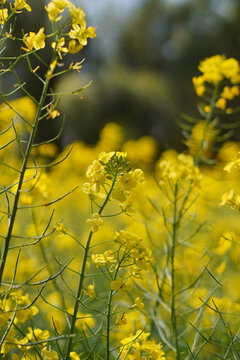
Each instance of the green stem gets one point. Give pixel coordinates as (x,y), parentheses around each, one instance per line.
(23,170)
(109,314)
(82,276)
(108,324)
(172,257)
(207,122)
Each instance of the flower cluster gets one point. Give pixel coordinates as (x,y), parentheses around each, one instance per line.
(95,222)
(134,252)
(235,164)
(214,70)
(231,198)
(8,304)
(180,169)
(77,36)
(103,259)
(33,335)
(15,7)
(34,41)
(79,33)
(112,166)
(137,347)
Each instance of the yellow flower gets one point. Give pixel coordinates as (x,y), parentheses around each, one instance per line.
(214,70)
(90,291)
(52,113)
(59,46)
(121,319)
(53,12)
(229,166)
(211,69)
(137,347)
(96,173)
(227,93)
(51,69)
(61,228)
(128,181)
(231,198)
(95,222)
(221,103)
(21,4)
(3,15)
(235,90)
(74,47)
(74,356)
(9,343)
(61,4)
(105,157)
(49,354)
(34,41)
(103,259)
(200,90)
(119,285)
(230,68)
(77,66)
(84,321)
(77,15)
(81,33)
(90,189)
(153,350)
(198,83)
(21,344)
(138,304)
(37,334)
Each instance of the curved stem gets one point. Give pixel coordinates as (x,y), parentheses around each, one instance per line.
(21,178)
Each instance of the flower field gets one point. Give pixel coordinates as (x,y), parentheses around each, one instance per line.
(115,251)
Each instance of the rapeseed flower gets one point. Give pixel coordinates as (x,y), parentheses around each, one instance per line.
(49,354)
(121,319)
(21,4)
(95,222)
(53,12)
(103,259)
(74,356)
(138,304)
(214,70)
(34,41)
(60,47)
(81,34)
(90,291)
(3,15)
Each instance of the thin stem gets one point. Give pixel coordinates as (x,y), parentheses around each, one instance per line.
(109,314)
(82,276)
(21,179)
(207,122)
(172,258)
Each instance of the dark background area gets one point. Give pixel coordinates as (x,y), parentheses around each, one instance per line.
(141,63)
